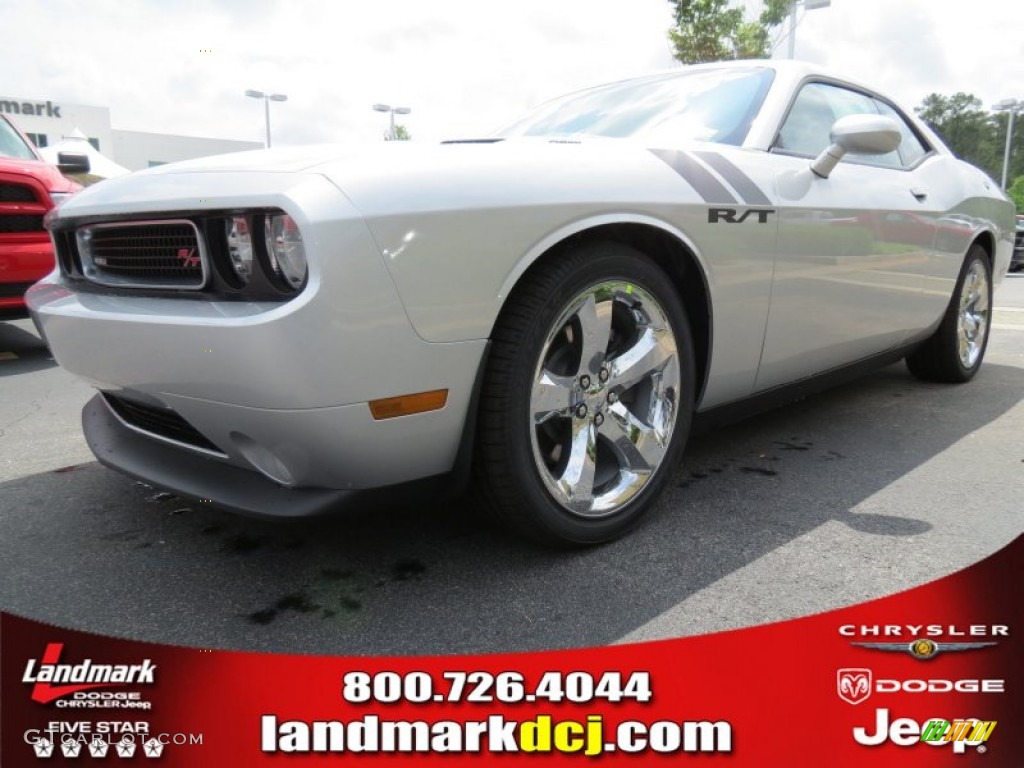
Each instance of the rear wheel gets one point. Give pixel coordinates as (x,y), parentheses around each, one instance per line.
(588,396)
(956,349)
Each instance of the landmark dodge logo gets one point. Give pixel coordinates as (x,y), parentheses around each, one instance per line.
(79,677)
(853,685)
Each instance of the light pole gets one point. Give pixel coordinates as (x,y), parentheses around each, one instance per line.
(1012,106)
(267,98)
(392,111)
(809,5)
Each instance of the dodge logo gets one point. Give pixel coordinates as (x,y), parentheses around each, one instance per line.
(853,685)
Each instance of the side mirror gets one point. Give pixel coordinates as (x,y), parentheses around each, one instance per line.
(860,134)
(72,162)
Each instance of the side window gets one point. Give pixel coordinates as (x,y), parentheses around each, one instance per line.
(807,126)
(809,122)
(911,147)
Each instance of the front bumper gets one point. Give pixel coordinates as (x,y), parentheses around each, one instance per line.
(278,390)
(219,484)
(23,261)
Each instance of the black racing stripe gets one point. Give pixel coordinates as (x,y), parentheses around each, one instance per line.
(696,175)
(749,191)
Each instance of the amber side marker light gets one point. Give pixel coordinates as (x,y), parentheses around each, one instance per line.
(404,405)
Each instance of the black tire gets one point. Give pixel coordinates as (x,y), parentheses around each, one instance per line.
(954,353)
(542,405)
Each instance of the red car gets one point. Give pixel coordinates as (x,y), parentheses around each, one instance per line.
(29,187)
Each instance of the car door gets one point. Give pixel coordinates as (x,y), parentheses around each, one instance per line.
(853,248)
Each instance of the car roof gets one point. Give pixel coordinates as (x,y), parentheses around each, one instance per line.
(789,75)
(787,69)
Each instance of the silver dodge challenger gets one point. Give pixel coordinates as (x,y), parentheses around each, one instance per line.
(545,313)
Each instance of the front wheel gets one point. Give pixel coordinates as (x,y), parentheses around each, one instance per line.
(588,396)
(955,351)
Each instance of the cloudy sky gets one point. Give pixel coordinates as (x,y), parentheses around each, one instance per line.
(464,67)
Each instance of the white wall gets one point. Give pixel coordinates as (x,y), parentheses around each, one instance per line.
(55,120)
(136,150)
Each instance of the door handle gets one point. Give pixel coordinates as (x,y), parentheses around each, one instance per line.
(919,194)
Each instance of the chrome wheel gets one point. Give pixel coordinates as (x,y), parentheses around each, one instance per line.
(588,396)
(973,317)
(954,352)
(604,398)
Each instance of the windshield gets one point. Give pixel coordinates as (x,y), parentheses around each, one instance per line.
(711,105)
(11,143)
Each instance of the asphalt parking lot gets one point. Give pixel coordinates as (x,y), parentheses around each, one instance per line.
(859,492)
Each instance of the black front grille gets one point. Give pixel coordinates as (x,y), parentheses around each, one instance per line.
(16,193)
(1019,242)
(21,222)
(162,422)
(158,254)
(186,254)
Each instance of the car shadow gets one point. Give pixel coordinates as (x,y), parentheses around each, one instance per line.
(21,350)
(87,548)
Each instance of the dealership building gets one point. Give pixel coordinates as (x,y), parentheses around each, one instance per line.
(47,123)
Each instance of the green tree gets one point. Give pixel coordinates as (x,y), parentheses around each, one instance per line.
(1016,193)
(979,137)
(401,134)
(1001,122)
(962,124)
(716,30)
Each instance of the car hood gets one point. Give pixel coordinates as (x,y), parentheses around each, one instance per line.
(43,172)
(314,157)
(394,178)
(279,160)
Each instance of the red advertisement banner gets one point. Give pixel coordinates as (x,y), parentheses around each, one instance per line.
(929,677)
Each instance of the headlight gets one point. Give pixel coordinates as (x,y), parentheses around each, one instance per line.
(285,249)
(240,247)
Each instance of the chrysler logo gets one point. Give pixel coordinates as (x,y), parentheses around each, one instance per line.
(853,685)
(923,648)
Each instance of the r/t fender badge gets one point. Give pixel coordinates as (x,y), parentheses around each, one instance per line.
(733,216)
